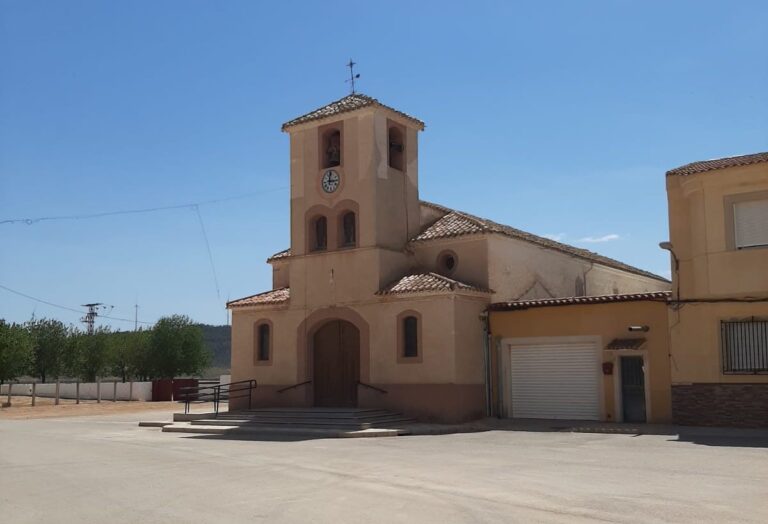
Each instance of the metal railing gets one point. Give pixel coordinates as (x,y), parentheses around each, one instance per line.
(216,394)
(281,390)
(372,387)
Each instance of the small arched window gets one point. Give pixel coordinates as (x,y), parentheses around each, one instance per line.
(319,234)
(410,337)
(396,148)
(262,342)
(331,148)
(348,229)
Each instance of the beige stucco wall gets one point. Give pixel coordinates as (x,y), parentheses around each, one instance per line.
(607,321)
(451,351)
(699,232)
(710,268)
(471,257)
(519,270)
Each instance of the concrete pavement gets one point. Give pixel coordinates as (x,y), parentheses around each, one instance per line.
(107,469)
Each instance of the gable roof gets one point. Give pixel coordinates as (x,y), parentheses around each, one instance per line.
(344,105)
(457,223)
(275,296)
(655,296)
(719,163)
(428,282)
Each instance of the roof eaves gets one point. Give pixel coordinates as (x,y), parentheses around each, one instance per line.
(702,166)
(652,296)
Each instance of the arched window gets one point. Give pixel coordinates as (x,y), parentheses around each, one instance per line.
(262,342)
(348,229)
(410,337)
(330,152)
(319,234)
(396,148)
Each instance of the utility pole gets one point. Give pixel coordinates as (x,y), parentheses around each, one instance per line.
(136,317)
(90,317)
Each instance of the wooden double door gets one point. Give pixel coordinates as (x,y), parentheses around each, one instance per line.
(336,364)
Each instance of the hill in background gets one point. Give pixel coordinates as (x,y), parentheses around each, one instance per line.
(218,340)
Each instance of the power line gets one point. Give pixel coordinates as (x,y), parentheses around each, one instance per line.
(208,248)
(192,205)
(78,311)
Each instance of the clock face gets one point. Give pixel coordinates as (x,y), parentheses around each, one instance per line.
(331,180)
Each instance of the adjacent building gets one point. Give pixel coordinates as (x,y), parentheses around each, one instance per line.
(718,316)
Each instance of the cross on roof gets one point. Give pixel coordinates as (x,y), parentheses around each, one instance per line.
(352,76)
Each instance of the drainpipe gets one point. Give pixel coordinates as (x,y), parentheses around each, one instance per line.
(485,319)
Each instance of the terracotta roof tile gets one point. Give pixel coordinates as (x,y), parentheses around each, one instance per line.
(625,343)
(428,282)
(657,296)
(457,223)
(285,253)
(344,105)
(276,296)
(719,163)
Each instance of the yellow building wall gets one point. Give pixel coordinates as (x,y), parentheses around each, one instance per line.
(607,321)
(701,233)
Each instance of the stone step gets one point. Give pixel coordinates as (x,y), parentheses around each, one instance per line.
(367,417)
(361,424)
(255,431)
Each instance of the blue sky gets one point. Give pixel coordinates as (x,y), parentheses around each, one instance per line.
(559,118)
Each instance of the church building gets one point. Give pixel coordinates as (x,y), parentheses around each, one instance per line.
(381,299)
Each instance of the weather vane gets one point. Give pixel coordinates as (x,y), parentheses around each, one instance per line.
(352,76)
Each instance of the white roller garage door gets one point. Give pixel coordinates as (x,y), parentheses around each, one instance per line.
(557,381)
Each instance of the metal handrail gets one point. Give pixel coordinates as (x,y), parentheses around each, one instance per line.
(372,387)
(216,393)
(294,386)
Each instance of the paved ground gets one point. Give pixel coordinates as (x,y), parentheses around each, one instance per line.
(106,469)
(21,408)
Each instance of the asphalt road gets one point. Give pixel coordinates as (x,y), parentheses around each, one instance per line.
(105,469)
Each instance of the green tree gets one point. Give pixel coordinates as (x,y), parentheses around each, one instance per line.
(131,354)
(15,351)
(93,355)
(49,343)
(176,348)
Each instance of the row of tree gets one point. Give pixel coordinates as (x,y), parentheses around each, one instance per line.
(48,349)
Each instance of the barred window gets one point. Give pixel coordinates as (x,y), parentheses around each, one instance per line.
(745,346)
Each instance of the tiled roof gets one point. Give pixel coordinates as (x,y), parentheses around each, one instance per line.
(428,282)
(625,343)
(276,296)
(344,105)
(285,253)
(457,223)
(719,163)
(657,296)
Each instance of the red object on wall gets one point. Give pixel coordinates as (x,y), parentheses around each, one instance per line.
(165,389)
(179,383)
(162,390)
(607,368)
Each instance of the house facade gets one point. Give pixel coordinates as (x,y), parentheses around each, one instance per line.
(696,355)
(718,223)
(380,299)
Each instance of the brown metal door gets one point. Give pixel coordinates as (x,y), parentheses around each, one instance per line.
(336,364)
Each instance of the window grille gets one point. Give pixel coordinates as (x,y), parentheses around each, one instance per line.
(745,346)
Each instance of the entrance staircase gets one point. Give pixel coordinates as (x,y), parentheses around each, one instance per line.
(298,422)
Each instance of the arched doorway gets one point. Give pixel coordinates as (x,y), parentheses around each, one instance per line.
(336,364)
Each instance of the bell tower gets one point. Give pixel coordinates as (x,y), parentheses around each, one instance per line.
(354,177)
(354,199)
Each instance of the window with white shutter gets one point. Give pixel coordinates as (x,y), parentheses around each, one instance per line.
(750,221)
